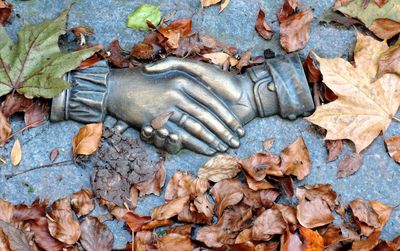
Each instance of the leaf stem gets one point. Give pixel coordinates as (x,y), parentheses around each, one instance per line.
(396,119)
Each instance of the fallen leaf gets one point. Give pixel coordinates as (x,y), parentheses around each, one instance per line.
(268,143)
(62,224)
(349,165)
(288,8)
(36,114)
(312,72)
(286,184)
(134,194)
(116,57)
(169,209)
(271,218)
(368,244)
(87,140)
(5,129)
(331,235)
(226,193)
(43,239)
(288,214)
(16,153)
(290,242)
(97,57)
(334,147)
(175,30)
(381,3)
(323,191)
(54,154)
(314,213)
(154,185)
(260,165)
(144,13)
(95,235)
(244,60)
(206,3)
(295,159)
(365,106)
(389,61)
(219,58)
(11,238)
(174,241)
(182,184)
(373,12)
(38,72)
(135,221)
(14,103)
(220,167)
(312,240)
(262,26)
(144,241)
(385,28)
(142,51)
(244,236)
(185,230)
(295,30)
(393,147)
(258,185)
(224,4)
(201,215)
(155,224)
(5,12)
(160,120)
(6,211)
(35,211)
(82,202)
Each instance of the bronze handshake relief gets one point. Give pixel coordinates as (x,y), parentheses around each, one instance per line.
(208,107)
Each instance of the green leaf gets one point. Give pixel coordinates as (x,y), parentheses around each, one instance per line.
(35,65)
(145,12)
(391,10)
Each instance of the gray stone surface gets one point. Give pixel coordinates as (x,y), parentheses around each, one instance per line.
(376,180)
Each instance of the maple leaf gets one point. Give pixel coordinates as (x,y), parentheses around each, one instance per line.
(35,66)
(365,105)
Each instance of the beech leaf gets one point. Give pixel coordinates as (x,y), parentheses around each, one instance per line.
(38,72)
(219,168)
(365,106)
(393,146)
(88,139)
(95,235)
(349,165)
(82,202)
(296,159)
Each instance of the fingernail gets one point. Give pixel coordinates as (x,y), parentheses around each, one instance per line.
(210,151)
(234,142)
(240,131)
(222,147)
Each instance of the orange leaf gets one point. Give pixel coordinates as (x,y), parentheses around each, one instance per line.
(312,240)
(88,139)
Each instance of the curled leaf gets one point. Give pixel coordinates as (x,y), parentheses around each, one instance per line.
(226,193)
(296,159)
(262,26)
(87,140)
(169,209)
(295,30)
(174,241)
(82,202)
(260,165)
(393,146)
(219,168)
(153,185)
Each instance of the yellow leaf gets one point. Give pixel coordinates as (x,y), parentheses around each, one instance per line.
(220,58)
(365,105)
(16,153)
(206,3)
(87,140)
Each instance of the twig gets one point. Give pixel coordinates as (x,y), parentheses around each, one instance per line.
(396,119)
(34,123)
(9,176)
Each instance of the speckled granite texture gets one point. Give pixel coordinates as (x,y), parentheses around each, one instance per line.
(377,179)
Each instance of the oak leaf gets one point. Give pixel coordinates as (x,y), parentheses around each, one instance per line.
(365,106)
(88,139)
(220,167)
(35,66)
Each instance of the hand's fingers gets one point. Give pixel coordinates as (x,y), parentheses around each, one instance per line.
(160,137)
(147,134)
(121,126)
(211,75)
(207,119)
(173,143)
(198,130)
(217,106)
(189,141)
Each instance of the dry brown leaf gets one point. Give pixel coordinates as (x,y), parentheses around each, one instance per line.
(5,12)
(62,224)
(322,191)
(155,224)
(385,28)
(226,193)
(82,202)
(244,60)
(271,218)
(144,241)
(288,214)
(260,165)
(219,58)
(87,140)
(174,241)
(153,185)
(334,147)
(169,209)
(16,153)
(33,212)
(312,240)
(12,238)
(190,214)
(174,31)
(262,26)
(54,154)
(134,194)
(36,114)
(368,244)
(258,185)
(181,184)
(6,211)
(365,106)
(159,121)
(95,235)
(5,129)
(135,221)
(268,143)
(220,167)
(185,230)
(142,51)
(43,239)
(331,235)
(116,57)
(349,165)
(314,213)
(393,147)
(295,30)
(290,242)
(389,61)
(268,246)
(243,236)
(206,3)
(288,8)
(312,72)
(295,159)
